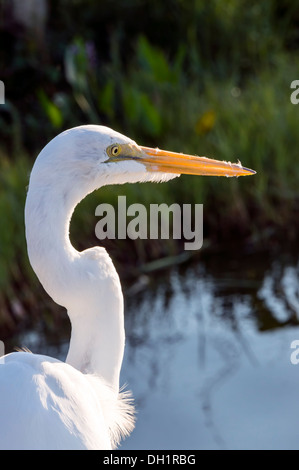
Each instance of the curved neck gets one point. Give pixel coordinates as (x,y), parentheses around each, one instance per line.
(75,280)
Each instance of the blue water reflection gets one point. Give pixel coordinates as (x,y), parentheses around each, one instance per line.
(210,366)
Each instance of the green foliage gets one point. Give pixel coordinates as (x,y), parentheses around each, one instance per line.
(52,111)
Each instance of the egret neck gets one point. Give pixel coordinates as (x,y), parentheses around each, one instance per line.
(79,281)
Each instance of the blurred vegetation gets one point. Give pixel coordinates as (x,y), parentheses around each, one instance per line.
(204,77)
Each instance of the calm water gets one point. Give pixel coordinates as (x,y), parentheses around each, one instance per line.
(208,354)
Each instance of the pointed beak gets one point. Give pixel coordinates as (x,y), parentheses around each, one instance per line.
(157,160)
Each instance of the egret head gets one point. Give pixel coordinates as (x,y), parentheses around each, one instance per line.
(92,156)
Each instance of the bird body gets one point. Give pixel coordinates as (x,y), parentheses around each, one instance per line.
(46,403)
(43,409)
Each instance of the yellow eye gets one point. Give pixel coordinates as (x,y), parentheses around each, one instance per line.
(113,150)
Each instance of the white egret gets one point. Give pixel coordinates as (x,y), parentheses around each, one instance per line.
(46,403)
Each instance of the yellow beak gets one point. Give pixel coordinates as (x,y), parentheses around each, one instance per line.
(172,162)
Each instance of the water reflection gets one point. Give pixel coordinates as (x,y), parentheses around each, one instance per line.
(208,355)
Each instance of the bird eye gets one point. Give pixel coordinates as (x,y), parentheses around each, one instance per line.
(113,150)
